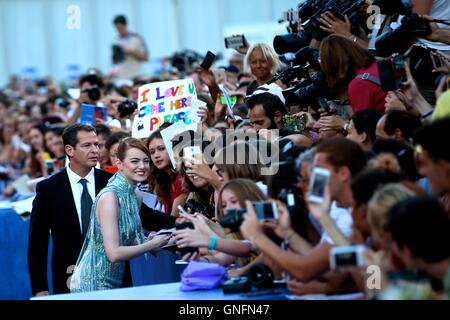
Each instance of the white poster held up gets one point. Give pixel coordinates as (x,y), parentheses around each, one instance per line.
(160,102)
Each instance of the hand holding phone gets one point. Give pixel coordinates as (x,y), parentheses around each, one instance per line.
(266,210)
(183,211)
(318,184)
(235,42)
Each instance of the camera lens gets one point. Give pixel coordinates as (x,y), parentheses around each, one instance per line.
(94,93)
(126,108)
(261,276)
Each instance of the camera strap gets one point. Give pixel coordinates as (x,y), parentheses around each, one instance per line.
(369,77)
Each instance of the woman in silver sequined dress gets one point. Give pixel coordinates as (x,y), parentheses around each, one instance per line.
(115,233)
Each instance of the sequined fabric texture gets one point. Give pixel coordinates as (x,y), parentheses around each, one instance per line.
(93,270)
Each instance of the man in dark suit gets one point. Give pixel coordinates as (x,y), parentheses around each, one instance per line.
(59,209)
(62,208)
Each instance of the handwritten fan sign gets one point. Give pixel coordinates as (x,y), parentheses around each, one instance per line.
(160,102)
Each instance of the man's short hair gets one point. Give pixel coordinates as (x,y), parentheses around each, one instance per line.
(405,121)
(432,138)
(120,19)
(271,103)
(93,79)
(422,225)
(102,130)
(368,181)
(70,134)
(116,137)
(343,152)
(366,122)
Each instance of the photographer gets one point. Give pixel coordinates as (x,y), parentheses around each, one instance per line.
(129,50)
(349,67)
(91,92)
(120,108)
(333,25)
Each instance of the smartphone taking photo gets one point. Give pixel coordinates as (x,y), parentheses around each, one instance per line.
(235,42)
(208,61)
(350,256)
(319,182)
(266,210)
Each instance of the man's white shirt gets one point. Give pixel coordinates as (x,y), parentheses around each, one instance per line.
(77,188)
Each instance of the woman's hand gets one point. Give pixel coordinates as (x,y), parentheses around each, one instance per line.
(190,238)
(251,227)
(198,167)
(393,102)
(332,122)
(310,122)
(331,24)
(200,224)
(203,113)
(207,77)
(191,256)
(244,49)
(409,88)
(300,288)
(158,241)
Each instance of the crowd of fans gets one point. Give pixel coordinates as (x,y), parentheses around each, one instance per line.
(389,165)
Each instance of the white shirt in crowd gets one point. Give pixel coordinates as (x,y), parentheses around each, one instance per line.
(343,219)
(77,188)
(440,10)
(130,67)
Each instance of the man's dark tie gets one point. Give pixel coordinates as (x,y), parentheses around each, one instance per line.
(86,205)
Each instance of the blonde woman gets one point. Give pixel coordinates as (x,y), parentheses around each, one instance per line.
(263,63)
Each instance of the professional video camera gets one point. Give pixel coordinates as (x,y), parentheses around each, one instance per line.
(309,88)
(309,12)
(401,39)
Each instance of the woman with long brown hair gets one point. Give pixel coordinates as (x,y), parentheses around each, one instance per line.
(163,180)
(352,69)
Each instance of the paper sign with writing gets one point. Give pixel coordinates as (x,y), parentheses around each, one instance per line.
(169,133)
(160,102)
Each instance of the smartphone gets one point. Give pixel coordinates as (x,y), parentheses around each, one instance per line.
(208,61)
(183,211)
(351,256)
(392,73)
(235,42)
(191,152)
(266,210)
(319,181)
